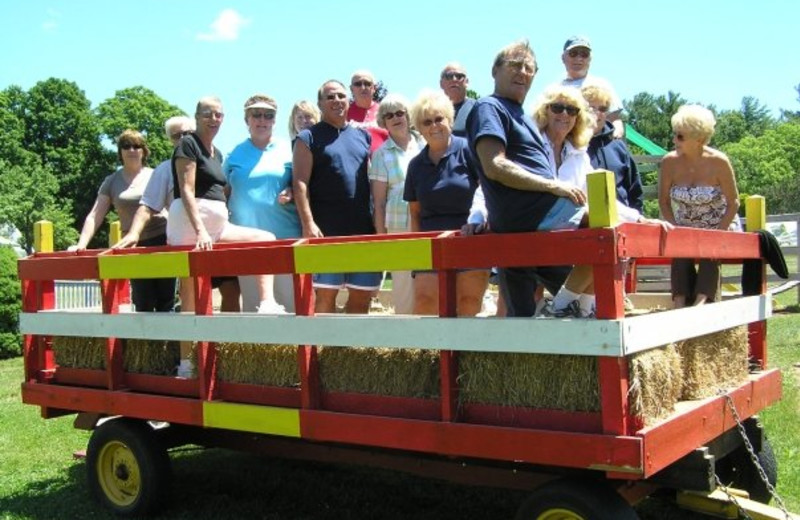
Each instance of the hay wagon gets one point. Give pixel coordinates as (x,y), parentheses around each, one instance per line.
(590,415)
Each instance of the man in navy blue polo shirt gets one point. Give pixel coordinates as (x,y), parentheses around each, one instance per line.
(522,193)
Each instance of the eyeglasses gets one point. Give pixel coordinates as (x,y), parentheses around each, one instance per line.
(601,109)
(333,97)
(362,84)
(269,115)
(454,76)
(428,122)
(680,137)
(130,147)
(208,114)
(392,115)
(558,108)
(178,135)
(578,53)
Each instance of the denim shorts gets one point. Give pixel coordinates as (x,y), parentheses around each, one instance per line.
(361,281)
(563,215)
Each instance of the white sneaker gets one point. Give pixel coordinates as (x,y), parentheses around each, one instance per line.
(271,307)
(185,369)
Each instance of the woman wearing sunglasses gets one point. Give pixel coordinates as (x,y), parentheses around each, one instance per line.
(697,188)
(387,178)
(123,190)
(258,171)
(440,187)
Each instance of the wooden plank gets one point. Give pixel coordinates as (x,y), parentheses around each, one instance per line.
(696,423)
(67,268)
(267,258)
(155,265)
(659,328)
(565,449)
(269,420)
(538,336)
(355,257)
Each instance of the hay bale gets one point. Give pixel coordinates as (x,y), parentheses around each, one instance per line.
(156,357)
(381,371)
(76,352)
(714,362)
(261,364)
(535,380)
(655,383)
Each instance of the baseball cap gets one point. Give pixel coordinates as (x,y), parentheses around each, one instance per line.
(578,41)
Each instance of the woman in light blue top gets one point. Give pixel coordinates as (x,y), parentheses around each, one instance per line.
(387,176)
(259,176)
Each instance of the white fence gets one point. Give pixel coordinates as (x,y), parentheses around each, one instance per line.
(77,294)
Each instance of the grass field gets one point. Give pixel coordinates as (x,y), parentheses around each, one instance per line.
(39,479)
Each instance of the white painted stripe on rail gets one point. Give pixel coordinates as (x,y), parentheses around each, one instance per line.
(540,336)
(659,328)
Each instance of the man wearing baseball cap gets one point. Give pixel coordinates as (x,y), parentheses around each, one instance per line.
(577,57)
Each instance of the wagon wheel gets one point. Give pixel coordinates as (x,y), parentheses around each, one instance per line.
(128,468)
(576,499)
(738,471)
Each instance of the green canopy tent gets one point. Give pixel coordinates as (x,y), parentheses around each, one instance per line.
(642,142)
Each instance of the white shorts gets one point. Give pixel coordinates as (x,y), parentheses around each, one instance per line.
(213,213)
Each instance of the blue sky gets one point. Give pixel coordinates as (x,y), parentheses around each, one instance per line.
(708,51)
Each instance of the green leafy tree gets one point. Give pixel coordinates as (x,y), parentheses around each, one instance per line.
(769,165)
(650,115)
(380,92)
(12,137)
(63,132)
(10,304)
(141,109)
(28,193)
(792,115)
(471,94)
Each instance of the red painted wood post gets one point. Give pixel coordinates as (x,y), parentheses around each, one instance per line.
(612,371)
(206,350)
(44,295)
(111,292)
(756,216)
(448,359)
(307,360)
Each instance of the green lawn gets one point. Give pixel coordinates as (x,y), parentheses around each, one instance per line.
(39,479)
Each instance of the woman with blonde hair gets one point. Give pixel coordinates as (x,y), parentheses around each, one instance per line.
(696,188)
(304,114)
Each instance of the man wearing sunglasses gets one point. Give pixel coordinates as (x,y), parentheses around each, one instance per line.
(454,83)
(363,110)
(577,57)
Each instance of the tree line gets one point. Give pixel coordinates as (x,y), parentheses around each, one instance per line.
(56,149)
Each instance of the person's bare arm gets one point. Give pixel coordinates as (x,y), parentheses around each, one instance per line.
(93,220)
(379,190)
(140,219)
(302,163)
(727,182)
(414,212)
(664,186)
(497,167)
(187,171)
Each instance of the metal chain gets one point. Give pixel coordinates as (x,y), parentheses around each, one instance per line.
(733,499)
(754,457)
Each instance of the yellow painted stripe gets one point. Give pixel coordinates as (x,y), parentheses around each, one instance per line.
(355,257)
(602,199)
(252,418)
(155,265)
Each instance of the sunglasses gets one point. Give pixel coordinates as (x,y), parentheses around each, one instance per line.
(178,135)
(680,137)
(130,147)
(362,84)
(428,122)
(269,115)
(454,76)
(524,66)
(392,115)
(576,53)
(602,109)
(333,97)
(558,108)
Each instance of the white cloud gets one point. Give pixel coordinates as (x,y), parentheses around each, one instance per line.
(51,23)
(226,27)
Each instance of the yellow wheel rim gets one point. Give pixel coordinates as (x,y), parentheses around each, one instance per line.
(118,474)
(559,514)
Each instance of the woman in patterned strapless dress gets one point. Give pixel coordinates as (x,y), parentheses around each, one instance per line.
(697,188)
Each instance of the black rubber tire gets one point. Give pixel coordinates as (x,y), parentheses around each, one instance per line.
(579,499)
(128,469)
(737,471)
